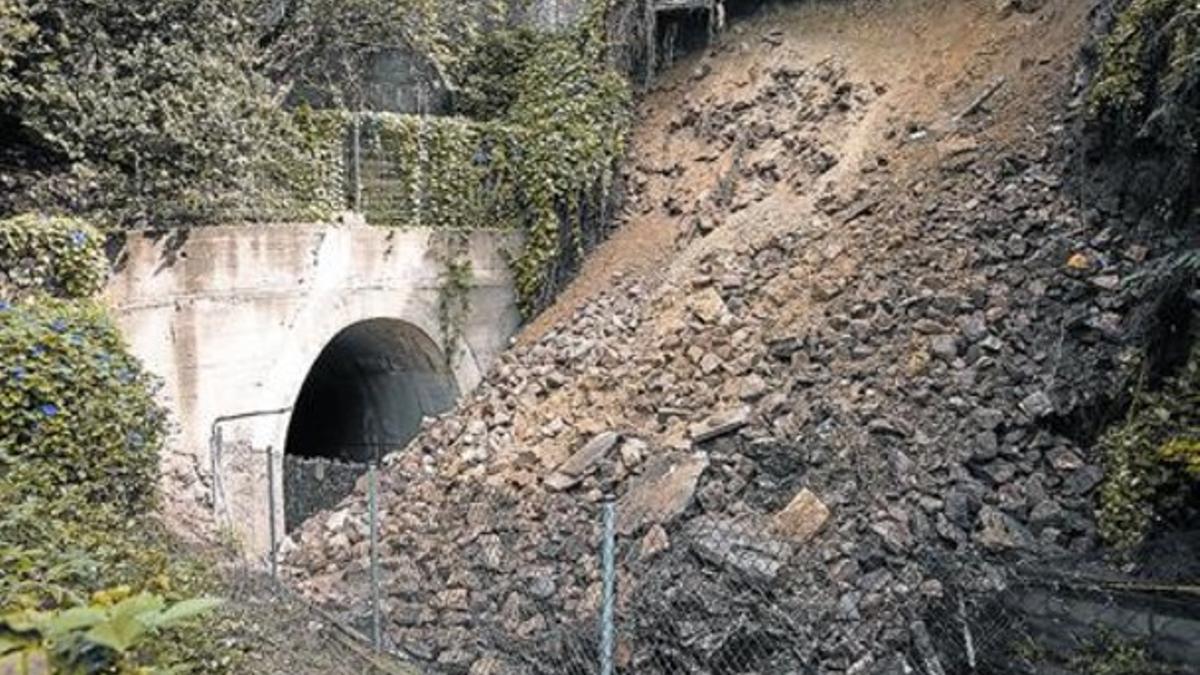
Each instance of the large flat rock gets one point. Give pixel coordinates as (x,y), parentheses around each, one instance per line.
(661,493)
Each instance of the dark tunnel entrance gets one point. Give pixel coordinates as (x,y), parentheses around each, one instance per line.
(365,396)
(682,27)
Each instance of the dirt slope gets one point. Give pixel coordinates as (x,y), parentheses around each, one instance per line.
(847,281)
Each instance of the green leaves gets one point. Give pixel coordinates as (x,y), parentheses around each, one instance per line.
(185,610)
(70,636)
(76,410)
(1152,458)
(60,256)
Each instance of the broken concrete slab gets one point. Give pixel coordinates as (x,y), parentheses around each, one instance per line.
(592,452)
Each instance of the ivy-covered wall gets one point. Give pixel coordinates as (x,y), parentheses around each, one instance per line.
(551,118)
(442,172)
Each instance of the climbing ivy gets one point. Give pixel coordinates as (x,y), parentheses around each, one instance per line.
(301,174)
(443,172)
(1150,57)
(454,295)
(542,161)
(576,113)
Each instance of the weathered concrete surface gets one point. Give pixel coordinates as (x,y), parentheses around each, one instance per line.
(233,318)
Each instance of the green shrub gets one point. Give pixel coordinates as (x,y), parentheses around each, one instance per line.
(1152,456)
(76,410)
(60,256)
(65,551)
(91,638)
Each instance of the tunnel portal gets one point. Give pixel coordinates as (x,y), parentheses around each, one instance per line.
(364,396)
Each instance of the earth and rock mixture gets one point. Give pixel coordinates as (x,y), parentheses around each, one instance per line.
(867,357)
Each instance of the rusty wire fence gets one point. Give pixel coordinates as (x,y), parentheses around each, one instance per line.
(467,573)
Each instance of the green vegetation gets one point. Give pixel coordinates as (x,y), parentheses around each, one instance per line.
(80,637)
(454,299)
(1145,100)
(542,160)
(1152,457)
(1111,656)
(156,112)
(62,257)
(75,409)
(87,569)
(444,172)
(1145,104)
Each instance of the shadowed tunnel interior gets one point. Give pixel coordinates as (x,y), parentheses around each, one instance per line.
(365,396)
(368,391)
(684,26)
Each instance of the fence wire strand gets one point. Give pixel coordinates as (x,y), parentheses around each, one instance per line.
(481,578)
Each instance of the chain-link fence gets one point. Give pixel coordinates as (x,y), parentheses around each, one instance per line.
(1135,611)
(259,493)
(462,572)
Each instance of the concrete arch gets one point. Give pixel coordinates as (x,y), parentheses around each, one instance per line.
(368,391)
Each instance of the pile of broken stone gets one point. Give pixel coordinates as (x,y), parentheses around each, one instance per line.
(790,433)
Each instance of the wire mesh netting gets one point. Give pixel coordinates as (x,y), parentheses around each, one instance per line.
(468,573)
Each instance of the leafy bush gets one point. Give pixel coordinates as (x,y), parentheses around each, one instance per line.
(65,552)
(144,102)
(91,638)
(60,256)
(1152,457)
(150,112)
(76,410)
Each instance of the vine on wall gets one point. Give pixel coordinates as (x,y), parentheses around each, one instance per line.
(542,160)
(454,295)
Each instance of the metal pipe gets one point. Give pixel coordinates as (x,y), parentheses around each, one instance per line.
(373,508)
(271,508)
(608,560)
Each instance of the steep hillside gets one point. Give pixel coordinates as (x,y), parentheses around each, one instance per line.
(853,312)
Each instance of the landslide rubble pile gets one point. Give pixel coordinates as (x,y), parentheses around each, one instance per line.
(793,428)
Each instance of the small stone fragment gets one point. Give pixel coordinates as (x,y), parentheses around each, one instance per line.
(720,424)
(802,518)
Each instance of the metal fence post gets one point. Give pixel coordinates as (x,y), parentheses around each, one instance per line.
(373,507)
(356,164)
(271,508)
(214,453)
(608,560)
